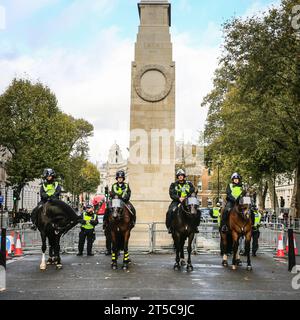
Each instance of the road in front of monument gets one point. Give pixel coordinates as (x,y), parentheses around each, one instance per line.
(150,277)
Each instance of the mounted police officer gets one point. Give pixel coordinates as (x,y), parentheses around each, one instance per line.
(179,191)
(50,189)
(88,222)
(121,190)
(234,192)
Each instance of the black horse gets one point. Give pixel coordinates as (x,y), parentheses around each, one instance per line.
(184,222)
(53,219)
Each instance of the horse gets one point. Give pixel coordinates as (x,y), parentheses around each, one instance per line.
(120,224)
(54,219)
(183,225)
(240,224)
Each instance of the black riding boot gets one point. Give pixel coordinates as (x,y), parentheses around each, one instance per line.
(224,226)
(168,221)
(105,219)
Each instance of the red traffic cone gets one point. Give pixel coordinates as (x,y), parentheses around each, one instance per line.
(280,251)
(18,251)
(12,242)
(287,245)
(295,245)
(8,257)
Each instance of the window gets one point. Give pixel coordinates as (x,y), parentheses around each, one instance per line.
(200,185)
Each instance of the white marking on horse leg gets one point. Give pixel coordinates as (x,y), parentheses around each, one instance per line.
(225,257)
(43,265)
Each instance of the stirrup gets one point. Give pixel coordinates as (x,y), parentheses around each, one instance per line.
(224,228)
(170,230)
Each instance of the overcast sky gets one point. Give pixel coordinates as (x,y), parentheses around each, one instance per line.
(83,49)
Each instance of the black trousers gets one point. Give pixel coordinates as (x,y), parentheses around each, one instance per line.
(90,236)
(255,237)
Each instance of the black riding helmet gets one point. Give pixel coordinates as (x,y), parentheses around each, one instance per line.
(236,176)
(120,174)
(49,173)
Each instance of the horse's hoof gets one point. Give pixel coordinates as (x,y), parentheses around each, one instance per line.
(225,263)
(125,267)
(59,266)
(234,267)
(114,267)
(43,267)
(239,263)
(190,268)
(249,268)
(176,267)
(183,263)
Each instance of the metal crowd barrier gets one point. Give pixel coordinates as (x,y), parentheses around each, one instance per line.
(157,240)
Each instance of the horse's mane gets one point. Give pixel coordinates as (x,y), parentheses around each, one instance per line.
(60,214)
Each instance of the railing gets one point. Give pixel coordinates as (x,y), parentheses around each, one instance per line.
(150,238)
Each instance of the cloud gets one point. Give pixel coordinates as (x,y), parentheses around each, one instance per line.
(94,81)
(258,8)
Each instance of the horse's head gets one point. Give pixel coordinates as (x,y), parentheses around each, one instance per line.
(117,206)
(191,204)
(244,206)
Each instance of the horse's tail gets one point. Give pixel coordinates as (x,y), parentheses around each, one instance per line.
(120,241)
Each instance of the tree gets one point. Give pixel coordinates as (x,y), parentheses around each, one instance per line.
(81,177)
(35,133)
(254,109)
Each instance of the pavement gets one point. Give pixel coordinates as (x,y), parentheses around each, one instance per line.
(150,277)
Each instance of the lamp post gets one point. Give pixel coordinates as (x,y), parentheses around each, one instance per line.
(218,166)
(274,181)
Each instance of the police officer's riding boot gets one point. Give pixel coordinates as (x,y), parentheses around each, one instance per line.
(224,227)
(168,221)
(33,220)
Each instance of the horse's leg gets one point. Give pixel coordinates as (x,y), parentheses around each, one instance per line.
(235,240)
(224,248)
(51,257)
(114,255)
(189,249)
(182,261)
(57,252)
(178,250)
(43,265)
(247,249)
(126,253)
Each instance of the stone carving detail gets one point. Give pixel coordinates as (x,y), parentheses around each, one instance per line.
(148,80)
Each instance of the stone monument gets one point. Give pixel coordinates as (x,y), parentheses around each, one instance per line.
(151,166)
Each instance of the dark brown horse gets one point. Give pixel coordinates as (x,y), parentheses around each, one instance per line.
(54,219)
(184,223)
(120,224)
(240,224)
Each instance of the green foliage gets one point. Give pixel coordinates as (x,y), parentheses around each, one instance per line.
(35,133)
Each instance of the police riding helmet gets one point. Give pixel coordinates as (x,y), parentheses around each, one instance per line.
(49,173)
(236,176)
(180,172)
(120,174)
